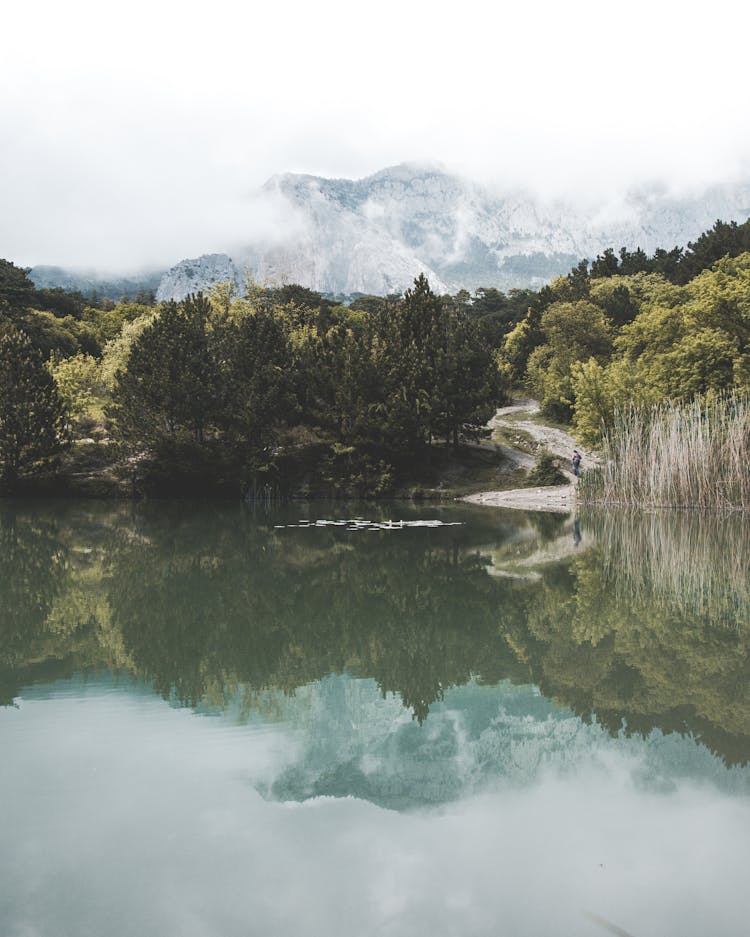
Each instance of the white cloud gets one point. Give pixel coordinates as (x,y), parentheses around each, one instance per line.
(134,136)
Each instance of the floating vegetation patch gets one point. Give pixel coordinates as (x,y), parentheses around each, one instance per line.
(359,523)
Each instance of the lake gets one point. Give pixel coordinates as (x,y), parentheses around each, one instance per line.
(342,719)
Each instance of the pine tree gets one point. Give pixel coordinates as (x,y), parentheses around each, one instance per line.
(32,414)
(169,387)
(256,387)
(16,288)
(414,339)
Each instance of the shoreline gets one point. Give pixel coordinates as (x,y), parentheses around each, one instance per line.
(559,499)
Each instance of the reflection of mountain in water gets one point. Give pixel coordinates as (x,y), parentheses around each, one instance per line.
(216,607)
(355,743)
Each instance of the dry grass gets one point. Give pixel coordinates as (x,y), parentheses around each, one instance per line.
(515,438)
(676,455)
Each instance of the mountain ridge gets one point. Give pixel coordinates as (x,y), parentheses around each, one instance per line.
(375,234)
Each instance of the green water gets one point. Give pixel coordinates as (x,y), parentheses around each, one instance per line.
(216,721)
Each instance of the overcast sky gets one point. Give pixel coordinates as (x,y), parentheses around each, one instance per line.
(135,135)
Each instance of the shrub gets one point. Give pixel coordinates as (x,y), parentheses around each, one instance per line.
(546,472)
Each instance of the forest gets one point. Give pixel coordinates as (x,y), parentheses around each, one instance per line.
(263,393)
(283,392)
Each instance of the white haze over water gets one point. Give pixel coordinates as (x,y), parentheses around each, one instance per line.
(136,135)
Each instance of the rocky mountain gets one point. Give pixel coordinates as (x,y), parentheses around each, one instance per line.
(191,276)
(374,235)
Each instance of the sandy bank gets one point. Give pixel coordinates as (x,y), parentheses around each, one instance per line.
(560,499)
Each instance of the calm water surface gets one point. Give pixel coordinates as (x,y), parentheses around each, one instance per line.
(215,721)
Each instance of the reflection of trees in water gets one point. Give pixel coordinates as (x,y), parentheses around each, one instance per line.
(54,613)
(201,608)
(614,637)
(33,571)
(215,604)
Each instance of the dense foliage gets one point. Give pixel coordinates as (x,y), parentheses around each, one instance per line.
(225,386)
(32,414)
(60,322)
(637,330)
(277,389)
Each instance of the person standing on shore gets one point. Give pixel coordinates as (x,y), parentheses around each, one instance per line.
(576,463)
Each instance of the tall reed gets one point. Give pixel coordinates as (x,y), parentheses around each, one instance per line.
(693,454)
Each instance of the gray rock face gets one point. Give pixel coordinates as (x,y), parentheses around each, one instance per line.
(374,235)
(199,274)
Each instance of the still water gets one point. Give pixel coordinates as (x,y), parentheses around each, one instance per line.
(219,721)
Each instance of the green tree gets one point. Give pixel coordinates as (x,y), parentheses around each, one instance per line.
(519,344)
(495,312)
(16,287)
(439,377)
(573,332)
(594,407)
(696,338)
(577,283)
(256,386)
(170,384)
(605,265)
(471,386)
(723,240)
(79,384)
(621,307)
(117,351)
(107,324)
(32,415)
(408,359)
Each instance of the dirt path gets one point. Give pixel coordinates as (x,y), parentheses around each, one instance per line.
(518,418)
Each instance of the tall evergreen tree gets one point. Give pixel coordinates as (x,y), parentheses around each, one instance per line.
(16,288)
(170,384)
(723,240)
(605,265)
(413,341)
(256,386)
(32,414)
(470,382)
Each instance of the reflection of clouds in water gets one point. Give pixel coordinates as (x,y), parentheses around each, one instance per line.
(352,741)
(136,818)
